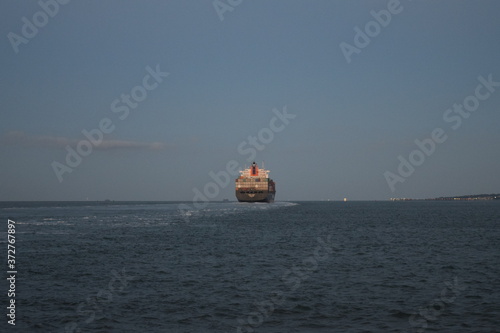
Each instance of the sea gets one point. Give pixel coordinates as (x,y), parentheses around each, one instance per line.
(355,266)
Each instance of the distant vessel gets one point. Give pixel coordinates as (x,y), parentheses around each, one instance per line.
(254,185)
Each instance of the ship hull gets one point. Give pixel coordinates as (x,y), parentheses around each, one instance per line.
(255,196)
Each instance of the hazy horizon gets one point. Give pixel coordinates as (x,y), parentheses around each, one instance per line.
(245,203)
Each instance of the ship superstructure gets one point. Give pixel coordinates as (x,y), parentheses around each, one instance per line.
(254,185)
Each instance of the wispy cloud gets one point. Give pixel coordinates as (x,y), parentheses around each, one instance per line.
(17,138)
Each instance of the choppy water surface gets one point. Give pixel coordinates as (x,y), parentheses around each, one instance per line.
(231,267)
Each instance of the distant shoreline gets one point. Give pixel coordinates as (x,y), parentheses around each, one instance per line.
(469,197)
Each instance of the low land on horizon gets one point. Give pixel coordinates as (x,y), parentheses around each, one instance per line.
(462,197)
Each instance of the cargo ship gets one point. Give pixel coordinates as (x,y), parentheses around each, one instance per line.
(254,185)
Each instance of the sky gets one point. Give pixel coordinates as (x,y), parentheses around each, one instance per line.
(365,100)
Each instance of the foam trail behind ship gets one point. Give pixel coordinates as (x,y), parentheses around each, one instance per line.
(218,210)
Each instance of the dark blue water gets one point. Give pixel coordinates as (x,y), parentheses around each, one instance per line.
(282,267)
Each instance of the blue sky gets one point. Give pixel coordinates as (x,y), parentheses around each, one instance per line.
(226,76)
